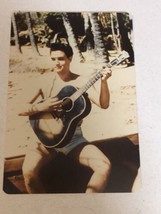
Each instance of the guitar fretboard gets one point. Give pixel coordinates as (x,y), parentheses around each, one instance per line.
(82,90)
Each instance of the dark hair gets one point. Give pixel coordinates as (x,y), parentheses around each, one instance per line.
(62,47)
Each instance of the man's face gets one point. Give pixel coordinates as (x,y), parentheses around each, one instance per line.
(61,61)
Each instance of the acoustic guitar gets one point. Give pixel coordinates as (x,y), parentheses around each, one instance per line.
(56,128)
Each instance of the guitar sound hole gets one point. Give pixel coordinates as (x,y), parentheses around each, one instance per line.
(67,104)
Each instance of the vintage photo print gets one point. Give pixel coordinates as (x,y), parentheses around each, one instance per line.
(71,108)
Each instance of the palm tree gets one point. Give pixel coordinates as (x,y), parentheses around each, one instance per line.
(31,34)
(89,38)
(101,55)
(71,38)
(17,44)
(116,36)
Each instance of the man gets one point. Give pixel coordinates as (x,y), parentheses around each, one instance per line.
(47,87)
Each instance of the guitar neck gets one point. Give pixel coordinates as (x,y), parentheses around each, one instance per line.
(124,55)
(90,82)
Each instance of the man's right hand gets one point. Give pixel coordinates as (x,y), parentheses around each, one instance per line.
(50,104)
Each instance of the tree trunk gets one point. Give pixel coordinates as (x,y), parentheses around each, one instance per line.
(101,55)
(31,34)
(17,44)
(89,38)
(116,37)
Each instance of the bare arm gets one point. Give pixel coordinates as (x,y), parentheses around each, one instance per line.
(32,100)
(102,98)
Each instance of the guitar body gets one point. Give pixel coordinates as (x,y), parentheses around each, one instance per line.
(55,129)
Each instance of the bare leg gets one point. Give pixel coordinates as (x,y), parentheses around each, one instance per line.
(35,159)
(92,157)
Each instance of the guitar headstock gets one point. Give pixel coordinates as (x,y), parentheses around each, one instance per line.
(121,57)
